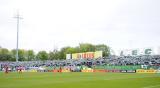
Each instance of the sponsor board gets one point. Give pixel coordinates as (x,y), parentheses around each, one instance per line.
(65,70)
(68,56)
(139,51)
(128,71)
(123,71)
(85,55)
(114,71)
(55,70)
(101,70)
(158,71)
(146,71)
(131,71)
(98,54)
(87,70)
(30,70)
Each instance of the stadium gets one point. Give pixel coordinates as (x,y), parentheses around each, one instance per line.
(83,70)
(79,44)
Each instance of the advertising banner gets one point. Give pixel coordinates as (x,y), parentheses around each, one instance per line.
(158,71)
(114,71)
(68,56)
(123,71)
(74,56)
(131,71)
(102,70)
(85,55)
(30,70)
(139,51)
(146,71)
(64,70)
(128,71)
(98,54)
(55,71)
(87,70)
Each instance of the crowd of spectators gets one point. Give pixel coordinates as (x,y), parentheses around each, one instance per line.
(149,60)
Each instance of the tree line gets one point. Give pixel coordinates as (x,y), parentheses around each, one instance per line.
(30,55)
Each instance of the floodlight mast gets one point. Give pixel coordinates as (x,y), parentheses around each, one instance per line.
(18,18)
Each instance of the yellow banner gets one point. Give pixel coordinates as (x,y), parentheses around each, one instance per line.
(146,71)
(64,70)
(98,54)
(87,70)
(74,56)
(87,55)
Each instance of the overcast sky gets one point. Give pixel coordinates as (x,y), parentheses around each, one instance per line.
(46,24)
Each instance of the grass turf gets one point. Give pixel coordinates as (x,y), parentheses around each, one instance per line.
(79,80)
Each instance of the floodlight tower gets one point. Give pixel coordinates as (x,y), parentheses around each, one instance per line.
(18,18)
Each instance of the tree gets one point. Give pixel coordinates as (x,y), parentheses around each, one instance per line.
(30,55)
(67,50)
(86,47)
(4,51)
(104,48)
(70,50)
(62,53)
(13,54)
(42,55)
(22,54)
(4,54)
(54,55)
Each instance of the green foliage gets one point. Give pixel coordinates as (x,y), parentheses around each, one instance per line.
(53,55)
(28,55)
(4,54)
(21,53)
(42,55)
(86,47)
(63,52)
(4,51)
(104,48)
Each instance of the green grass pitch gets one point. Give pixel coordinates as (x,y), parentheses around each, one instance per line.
(79,80)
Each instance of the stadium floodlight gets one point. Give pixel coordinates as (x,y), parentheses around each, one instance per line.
(18,18)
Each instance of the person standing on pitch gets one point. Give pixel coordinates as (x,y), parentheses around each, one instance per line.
(6,69)
(60,69)
(20,69)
